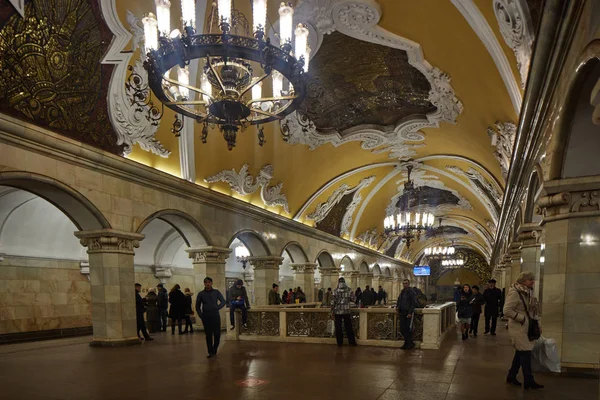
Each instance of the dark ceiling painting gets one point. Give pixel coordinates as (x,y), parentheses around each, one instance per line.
(391,252)
(354,83)
(51,71)
(445,230)
(426,196)
(332,223)
(473,261)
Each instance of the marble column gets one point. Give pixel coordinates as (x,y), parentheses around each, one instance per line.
(396,288)
(329,277)
(570,254)
(365,279)
(377,280)
(530,235)
(353,280)
(506,261)
(111,255)
(210,261)
(515,259)
(266,273)
(387,286)
(304,276)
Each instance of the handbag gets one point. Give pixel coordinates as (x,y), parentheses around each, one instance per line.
(533,331)
(237,302)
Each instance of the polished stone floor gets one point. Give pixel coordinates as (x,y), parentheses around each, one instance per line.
(176,367)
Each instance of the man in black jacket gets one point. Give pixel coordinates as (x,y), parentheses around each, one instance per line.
(208,303)
(493,297)
(367,297)
(140,309)
(476,302)
(163,306)
(406,308)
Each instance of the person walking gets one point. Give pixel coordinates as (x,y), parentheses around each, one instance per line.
(140,309)
(476,302)
(358,295)
(465,312)
(300,295)
(343,300)
(290,297)
(163,305)
(493,297)
(380,295)
(522,310)
(177,310)
(238,299)
(375,297)
(208,303)
(152,313)
(327,298)
(367,297)
(406,307)
(188,311)
(274,298)
(320,295)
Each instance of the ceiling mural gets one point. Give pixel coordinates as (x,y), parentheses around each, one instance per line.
(374,103)
(51,72)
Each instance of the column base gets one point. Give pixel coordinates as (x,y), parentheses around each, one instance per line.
(115,342)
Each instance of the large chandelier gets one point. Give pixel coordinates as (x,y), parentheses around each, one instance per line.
(437,251)
(453,263)
(233,65)
(406,224)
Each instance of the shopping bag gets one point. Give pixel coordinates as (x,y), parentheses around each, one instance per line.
(544,356)
(330,327)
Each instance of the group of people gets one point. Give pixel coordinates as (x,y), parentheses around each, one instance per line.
(469,303)
(293,296)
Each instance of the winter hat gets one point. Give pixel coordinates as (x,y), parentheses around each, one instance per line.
(275,285)
(239,282)
(341,280)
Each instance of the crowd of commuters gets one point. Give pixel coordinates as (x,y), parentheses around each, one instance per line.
(469,302)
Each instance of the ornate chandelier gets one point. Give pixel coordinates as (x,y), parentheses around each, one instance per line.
(407,224)
(241,255)
(439,251)
(233,65)
(454,262)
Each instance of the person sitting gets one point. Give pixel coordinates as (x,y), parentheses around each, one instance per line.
(238,298)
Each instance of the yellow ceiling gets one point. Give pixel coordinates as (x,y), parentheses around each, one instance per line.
(448,43)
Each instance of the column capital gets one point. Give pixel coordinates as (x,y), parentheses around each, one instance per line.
(529,235)
(330,271)
(209,254)
(266,262)
(304,267)
(569,198)
(109,241)
(365,274)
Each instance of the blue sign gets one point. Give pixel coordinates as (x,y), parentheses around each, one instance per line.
(423,270)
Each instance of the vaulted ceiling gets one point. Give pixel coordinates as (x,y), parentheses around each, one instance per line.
(391,83)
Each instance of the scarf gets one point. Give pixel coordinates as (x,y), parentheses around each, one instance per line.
(530,300)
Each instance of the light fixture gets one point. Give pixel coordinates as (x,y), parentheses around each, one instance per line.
(453,262)
(234,64)
(241,255)
(439,251)
(407,224)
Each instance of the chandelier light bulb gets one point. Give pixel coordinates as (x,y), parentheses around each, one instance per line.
(257,93)
(174,90)
(206,87)
(188,13)
(301,45)
(407,220)
(277,84)
(242,252)
(183,76)
(224,7)
(259,15)
(163,16)
(286,24)
(150,32)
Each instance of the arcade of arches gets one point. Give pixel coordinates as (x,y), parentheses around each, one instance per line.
(501,125)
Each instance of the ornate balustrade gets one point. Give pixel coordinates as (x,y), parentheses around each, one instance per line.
(372,326)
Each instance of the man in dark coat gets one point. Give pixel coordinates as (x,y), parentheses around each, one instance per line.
(274,297)
(140,309)
(163,306)
(493,297)
(367,297)
(208,303)
(380,295)
(238,298)
(476,302)
(407,302)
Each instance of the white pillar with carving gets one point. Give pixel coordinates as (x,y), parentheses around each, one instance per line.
(266,273)
(304,276)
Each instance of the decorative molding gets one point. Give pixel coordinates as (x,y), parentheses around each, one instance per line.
(109,241)
(127,118)
(502,136)
(244,184)
(483,30)
(19,5)
(569,198)
(368,238)
(84,269)
(209,254)
(516,28)
(595,102)
(323,209)
(162,273)
(358,19)
(269,262)
(302,268)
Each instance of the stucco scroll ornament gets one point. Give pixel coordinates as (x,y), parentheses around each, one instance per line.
(358,19)
(323,209)
(502,135)
(368,238)
(243,183)
(128,115)
(589,201)
(516,28)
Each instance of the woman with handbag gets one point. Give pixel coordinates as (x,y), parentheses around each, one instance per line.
(522,309)
(177,310)
(189,313)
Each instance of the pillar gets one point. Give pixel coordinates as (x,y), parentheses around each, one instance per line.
(396,288)
(209,261)
(570,275)
(266,273)
(515,260)
(112,285)
(304,276)
(365,279)
(329,277)
(506,261)
(353,280)
(377,280)
(530,235)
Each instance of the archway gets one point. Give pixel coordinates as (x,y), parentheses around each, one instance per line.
(363,268)
(347,264)
(292,253)
(451,278)
(325,260)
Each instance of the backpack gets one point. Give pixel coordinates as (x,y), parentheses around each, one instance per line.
(421,298)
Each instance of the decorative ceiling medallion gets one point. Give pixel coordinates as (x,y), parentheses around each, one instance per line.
(502,136)
(323,209)
(517,30)
(358,19)
(244,184)
(133,119)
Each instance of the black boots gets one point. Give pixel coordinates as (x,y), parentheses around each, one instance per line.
(531,384)
(512,379)
(465,336)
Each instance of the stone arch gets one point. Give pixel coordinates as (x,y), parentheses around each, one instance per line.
(295,252)
(376,269)
(325,260)
(363,267)
(517,224)
(347,261)
(253,241)
(588,64)
(387,272)
(81,211)
(534,185)
(190,230)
